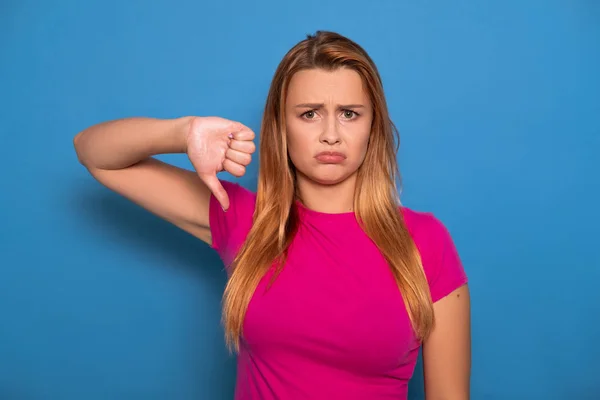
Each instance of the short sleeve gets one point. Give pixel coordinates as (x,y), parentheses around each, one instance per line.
(441,262)
(229,229)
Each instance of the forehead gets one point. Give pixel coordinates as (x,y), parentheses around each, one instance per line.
(318,85)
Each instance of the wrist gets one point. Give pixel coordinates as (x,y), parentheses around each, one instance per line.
(182,130)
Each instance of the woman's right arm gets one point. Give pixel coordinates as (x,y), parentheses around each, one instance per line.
(119,154)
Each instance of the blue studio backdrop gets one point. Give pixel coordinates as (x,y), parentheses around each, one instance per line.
(498,108)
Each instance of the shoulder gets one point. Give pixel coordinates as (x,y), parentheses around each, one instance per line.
(441,261)
(229,229)
(425,227)
(241,194)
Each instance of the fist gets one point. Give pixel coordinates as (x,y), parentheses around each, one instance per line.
(216,144)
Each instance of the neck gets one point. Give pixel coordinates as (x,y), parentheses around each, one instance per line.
(331,199)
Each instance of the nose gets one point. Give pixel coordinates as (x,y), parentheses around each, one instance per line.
(330,134)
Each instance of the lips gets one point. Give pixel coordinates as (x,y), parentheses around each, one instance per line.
(330,157)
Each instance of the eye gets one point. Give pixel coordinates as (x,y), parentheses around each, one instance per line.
(349,114)
(309,114)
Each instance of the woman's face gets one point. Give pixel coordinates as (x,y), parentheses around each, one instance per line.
(328,123)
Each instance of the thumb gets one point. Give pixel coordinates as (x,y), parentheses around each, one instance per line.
(217,189)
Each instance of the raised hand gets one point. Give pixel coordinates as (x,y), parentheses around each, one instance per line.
(216,144)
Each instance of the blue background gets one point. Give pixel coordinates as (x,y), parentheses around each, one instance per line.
(498,107)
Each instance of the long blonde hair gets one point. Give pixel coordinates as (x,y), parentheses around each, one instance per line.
(376,205)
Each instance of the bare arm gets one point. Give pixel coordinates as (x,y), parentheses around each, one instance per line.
(119,155)
(447,350)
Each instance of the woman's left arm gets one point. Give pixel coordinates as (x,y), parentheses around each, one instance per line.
(447,350)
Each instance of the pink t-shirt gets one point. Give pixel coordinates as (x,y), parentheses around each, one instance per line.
(333,325)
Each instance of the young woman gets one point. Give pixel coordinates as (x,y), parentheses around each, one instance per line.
(333,285)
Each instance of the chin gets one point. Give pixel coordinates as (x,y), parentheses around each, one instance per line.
(327,182)
(329,179)
(326,175)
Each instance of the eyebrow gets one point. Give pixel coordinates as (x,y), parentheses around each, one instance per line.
(321,105)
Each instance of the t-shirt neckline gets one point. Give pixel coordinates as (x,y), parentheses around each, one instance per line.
(310,213)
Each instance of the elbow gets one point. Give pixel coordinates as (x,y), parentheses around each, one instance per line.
(448,395)
(78,146)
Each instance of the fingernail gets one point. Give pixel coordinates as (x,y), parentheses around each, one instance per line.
(223,208)
(230,136)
